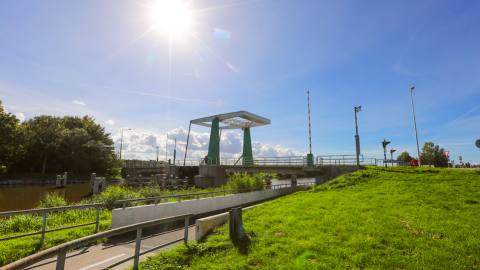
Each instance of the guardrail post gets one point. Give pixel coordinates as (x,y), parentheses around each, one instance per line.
(212,194)
(186,231)
(136,259)
(61,261)
(43,228)
(98,219)
(179,198)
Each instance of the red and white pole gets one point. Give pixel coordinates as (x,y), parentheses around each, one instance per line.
(309,128)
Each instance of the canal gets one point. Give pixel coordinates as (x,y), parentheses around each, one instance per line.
(21,197)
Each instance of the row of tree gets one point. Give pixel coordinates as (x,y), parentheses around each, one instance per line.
(55,144)
(431,155)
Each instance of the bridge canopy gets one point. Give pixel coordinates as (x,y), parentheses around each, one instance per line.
(233,120)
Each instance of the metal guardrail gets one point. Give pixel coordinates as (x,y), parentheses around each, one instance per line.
(52,209)
(61,250)
(179,196)
(260,161)
(159,164)
(344,160)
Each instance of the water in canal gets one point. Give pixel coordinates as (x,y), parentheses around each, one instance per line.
(14,198)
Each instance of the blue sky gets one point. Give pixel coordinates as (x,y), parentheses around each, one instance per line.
(107,59)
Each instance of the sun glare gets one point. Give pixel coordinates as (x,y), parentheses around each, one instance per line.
(172,17)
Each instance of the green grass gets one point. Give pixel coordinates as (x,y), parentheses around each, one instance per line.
(12,250)
(396,218)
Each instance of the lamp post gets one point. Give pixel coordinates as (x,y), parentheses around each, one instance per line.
(357,138)
(157,151)
(121,142)
(415,123)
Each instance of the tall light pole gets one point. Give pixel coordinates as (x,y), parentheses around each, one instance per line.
(357,138)
(157,150)
(121,142)
(415,123)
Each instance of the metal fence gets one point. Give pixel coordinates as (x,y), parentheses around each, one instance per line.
(210,193)
(52,209)
(157,164)
(260,161)
(345,160)
(62,249)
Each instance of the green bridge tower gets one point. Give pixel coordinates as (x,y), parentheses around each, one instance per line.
(235,120)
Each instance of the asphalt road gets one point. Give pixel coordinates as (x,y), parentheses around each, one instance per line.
(116,249)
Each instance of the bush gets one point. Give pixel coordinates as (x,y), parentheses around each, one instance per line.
(113,194)
(50,199)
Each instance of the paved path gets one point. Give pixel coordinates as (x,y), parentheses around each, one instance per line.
(116,249)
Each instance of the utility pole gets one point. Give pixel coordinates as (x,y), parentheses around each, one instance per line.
(121,142)
(357,138)
(415,123)
(166,146)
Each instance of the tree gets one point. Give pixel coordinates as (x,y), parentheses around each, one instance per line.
(405,156)
(67,144)
(10,139)
(433,155)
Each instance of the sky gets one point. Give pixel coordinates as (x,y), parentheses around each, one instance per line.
(132,65)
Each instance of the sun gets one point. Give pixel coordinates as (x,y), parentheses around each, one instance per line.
(172,17)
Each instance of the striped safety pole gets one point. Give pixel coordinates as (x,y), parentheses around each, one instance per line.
(309,128)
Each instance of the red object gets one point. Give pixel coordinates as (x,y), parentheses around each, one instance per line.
(309,128)
(414,163)
(446,153)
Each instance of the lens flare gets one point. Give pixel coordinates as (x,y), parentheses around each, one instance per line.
(222,34)
(233,68)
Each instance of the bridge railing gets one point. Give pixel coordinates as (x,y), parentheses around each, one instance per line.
(344,160)
(155,164)
(260,161)
(51,209)
(61,250)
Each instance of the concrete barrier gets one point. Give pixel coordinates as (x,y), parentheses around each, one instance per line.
(205,225)
(132,215)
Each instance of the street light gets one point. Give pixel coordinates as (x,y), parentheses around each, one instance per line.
(415,123)
(357,138)
(157,150)
(121,142)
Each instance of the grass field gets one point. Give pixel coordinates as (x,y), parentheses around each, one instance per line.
(377,218)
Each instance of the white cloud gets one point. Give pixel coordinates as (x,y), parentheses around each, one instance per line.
(109,122)
(20,116)
(78,102)
(138,145)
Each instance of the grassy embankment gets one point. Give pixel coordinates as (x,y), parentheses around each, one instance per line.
(398,218)
(15,249)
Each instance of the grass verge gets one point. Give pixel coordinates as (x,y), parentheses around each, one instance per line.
(377,218)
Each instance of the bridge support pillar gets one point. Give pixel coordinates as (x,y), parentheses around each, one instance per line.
(214,145)
(319,179)
(247,147)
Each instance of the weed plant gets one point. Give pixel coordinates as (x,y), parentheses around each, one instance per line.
(377,218)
